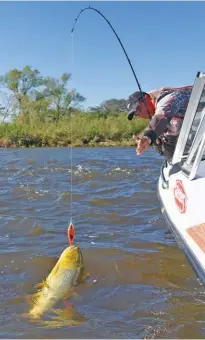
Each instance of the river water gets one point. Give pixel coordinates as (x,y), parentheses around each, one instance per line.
(145,287)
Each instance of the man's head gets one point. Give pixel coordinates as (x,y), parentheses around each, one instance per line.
(136,105)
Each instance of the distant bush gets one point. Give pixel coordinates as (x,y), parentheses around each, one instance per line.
(82,129)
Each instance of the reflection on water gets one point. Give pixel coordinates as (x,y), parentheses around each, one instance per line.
(145,287)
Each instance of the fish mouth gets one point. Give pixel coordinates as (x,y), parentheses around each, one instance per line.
(71,233)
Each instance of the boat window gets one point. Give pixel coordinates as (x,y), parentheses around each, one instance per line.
(196,121)
(191,123)
(203,156)
(197,151)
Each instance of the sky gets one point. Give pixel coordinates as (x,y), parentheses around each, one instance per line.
(164,41)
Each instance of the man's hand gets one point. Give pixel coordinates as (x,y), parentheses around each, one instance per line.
(143,142)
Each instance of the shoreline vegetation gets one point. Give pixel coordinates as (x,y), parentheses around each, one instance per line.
(38,111)
(80,130)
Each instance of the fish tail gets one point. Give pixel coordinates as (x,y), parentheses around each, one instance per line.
(39,302)
(36,312)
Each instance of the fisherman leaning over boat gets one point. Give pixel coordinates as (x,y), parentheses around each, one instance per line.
(167,107)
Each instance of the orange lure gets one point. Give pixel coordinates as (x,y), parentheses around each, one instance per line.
(71,234)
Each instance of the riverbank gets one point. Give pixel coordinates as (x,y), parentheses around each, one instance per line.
(80,131)
(7,144)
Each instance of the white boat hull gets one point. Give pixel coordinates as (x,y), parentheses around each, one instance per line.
(183,205)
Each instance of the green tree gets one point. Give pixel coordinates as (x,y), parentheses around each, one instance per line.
(44,99)
(6,106)
(61,98)
(111,106)
(34,111)
(22,82)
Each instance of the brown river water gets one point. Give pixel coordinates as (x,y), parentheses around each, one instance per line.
(145,287)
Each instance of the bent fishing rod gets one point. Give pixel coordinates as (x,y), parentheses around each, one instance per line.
(138,84)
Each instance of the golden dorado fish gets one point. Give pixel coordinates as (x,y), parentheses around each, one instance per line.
(67,273)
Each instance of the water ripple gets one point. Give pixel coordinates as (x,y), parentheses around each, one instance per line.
(145,287)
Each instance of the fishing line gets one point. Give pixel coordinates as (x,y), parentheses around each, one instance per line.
(71,138)
(138,84)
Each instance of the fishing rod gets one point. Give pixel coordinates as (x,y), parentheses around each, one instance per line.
(138,84)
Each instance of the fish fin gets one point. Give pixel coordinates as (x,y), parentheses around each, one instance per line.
(42,284)
(29,298)
(33,299)
(84,277)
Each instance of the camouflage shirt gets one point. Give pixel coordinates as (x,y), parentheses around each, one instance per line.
(170,108)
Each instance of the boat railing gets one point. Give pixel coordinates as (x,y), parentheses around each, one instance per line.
(192,119)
